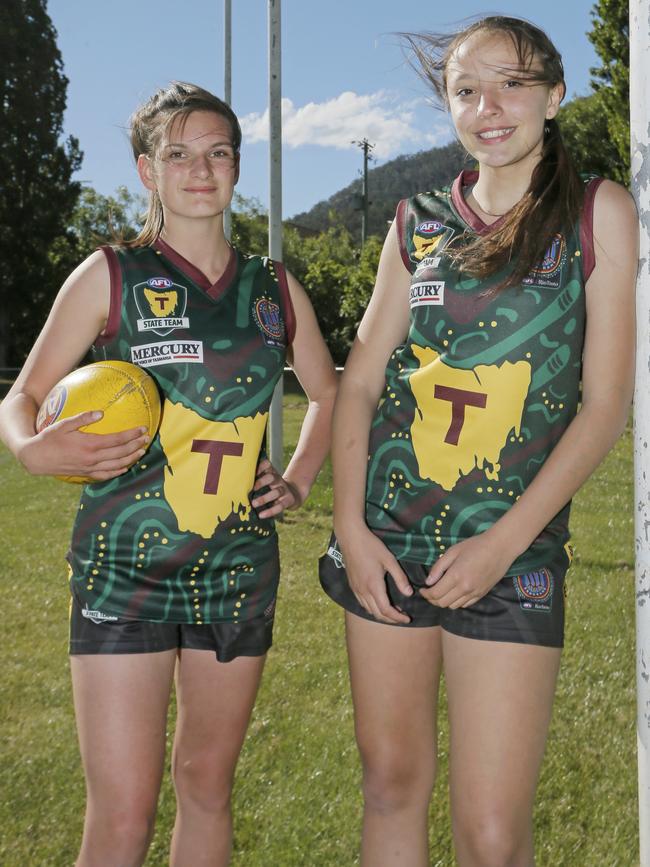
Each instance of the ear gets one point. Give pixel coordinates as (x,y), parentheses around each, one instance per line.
(145,171)
(555,97)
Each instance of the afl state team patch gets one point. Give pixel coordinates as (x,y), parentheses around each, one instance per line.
(161,304)
(535,590)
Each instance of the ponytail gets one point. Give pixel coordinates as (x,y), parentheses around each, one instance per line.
(551,204)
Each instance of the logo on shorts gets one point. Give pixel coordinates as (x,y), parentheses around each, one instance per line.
(334,553)
(97,616)
(535,590)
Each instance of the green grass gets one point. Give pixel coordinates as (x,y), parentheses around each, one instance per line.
(297,794)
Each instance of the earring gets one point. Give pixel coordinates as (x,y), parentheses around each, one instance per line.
(547,128)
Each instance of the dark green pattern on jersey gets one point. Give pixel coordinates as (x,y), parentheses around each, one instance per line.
(521,347)
(149,545)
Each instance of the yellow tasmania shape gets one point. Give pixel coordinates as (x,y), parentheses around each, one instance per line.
(465,416)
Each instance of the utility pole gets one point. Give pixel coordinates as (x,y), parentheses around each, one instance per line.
(366,147)
(275,203)
(639,11)
(227,88)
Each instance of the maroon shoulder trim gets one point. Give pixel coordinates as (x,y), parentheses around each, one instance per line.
(287,303)
(400,218)
(115,307)
(587,228)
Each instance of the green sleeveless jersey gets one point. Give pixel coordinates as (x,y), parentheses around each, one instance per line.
(481,391)
(176,538)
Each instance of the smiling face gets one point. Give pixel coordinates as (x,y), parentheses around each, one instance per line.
(195,167)
(498,106)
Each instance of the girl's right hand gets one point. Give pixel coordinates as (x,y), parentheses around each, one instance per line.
(63,450)
(367,560)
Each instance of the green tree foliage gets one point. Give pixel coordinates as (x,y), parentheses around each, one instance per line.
(336,274)
(583,121)
(611,38)
(96,220)
(37,195)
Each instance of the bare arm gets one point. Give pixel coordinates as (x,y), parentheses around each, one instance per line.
(315,371)
(78,315)
(384,326)
(465,572)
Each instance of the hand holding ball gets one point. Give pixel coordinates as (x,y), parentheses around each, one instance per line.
(126,394)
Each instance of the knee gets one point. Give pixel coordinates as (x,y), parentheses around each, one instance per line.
(493,840)
(126,827)
(394,780)
(202,781)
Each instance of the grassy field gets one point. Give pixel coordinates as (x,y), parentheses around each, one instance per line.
(297,795)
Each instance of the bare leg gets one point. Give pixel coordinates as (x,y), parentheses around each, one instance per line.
(395,675)
(500,701)
(215,700)
(121,707)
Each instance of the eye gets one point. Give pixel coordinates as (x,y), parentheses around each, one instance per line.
(175,156)
(513,82)
(464,91)
(222,154)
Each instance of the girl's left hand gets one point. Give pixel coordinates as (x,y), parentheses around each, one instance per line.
(281,494)
(466,572)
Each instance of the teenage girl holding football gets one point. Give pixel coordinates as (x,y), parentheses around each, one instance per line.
(174,557)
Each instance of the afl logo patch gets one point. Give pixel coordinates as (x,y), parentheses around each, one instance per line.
(51,409)
(431,227)
(535,590)
(268,319)
(159,283)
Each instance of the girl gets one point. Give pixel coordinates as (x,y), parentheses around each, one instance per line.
(173,569)
(496,300)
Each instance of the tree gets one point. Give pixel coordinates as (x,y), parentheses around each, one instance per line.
(583,121)
(37,194)
(610,36)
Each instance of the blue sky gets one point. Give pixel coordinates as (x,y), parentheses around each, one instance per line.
(343,78)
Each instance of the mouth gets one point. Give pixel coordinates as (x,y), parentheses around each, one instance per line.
(200,189)
(491,134)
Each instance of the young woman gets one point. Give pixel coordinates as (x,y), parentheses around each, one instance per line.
(174,568)
(500,303)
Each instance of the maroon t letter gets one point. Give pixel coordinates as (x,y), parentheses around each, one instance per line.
(459,398)
(216,449)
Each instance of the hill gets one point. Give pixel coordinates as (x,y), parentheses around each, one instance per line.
(387,184)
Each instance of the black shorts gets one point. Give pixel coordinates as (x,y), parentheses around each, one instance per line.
(525,609)
(93,632)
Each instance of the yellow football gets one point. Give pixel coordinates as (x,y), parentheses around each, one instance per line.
(125,393)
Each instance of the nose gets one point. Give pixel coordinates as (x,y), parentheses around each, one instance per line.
(201,166)
(488,104)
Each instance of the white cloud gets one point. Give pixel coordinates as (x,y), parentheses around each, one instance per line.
(380,117)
